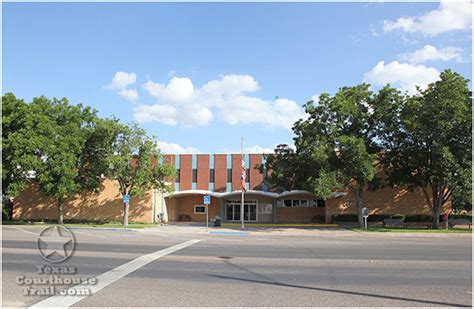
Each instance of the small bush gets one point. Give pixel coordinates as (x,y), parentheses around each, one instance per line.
(425,218)
(377,218)
(398,216)
(345,218)
(467,217)
(317,219)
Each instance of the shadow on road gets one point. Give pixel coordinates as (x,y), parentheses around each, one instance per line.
(270,281)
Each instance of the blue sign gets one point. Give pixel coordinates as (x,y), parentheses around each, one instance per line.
(126,198)
(207,199)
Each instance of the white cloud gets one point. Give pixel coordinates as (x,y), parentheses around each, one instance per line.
(258,149)
(121,80)
(171,148)
(188,106)
(129,94)
(430,53)
(449,16)
(402,75)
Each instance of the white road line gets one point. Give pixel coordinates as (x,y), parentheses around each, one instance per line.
(111,276)
(17,228)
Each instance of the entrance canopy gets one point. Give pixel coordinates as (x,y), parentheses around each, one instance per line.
(256,192)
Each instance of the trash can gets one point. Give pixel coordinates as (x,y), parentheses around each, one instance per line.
(217,221)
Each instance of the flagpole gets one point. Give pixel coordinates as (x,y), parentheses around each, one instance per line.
(242,202)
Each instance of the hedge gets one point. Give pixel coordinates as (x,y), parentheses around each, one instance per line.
(418,218)
(345,218)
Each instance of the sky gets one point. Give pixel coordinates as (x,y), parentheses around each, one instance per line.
(200,76)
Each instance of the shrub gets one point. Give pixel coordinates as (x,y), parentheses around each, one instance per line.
(317,219)
(377,218)
(345,218)
(398,216)
(468,217)
(425,218)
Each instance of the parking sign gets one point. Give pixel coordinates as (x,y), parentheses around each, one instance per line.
(207,199)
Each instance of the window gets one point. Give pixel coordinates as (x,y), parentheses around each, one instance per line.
(296,203)
(229,175)
(211,175)
(195,175)
(199,209)
(177,176)
(247,178)
(321,203)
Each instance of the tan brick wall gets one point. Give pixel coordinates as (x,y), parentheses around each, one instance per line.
(106,204)
(298,214)
(397,200)
(185,205)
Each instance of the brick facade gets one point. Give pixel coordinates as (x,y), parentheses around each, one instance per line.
(220,172)
(203,172)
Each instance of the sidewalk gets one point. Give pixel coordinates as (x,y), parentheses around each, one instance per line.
(194,228)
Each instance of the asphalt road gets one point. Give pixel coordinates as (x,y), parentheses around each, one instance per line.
(328,269)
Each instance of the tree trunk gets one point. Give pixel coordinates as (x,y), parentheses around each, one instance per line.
(359,203)
(60,211)
(125,214)
(437,207)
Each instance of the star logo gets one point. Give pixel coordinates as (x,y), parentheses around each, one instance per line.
(55,243)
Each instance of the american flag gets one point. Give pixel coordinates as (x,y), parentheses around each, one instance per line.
(244,176)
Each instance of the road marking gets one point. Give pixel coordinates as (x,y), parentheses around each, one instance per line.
(26,231)
(111,276)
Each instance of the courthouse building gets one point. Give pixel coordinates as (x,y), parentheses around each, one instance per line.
(219,176)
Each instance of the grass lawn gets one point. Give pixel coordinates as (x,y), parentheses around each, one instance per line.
(91,224)
(403,230)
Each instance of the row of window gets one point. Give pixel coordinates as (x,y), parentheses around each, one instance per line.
(211,175)
(302,203)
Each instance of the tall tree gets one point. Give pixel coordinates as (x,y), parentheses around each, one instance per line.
(427,139)
(337,138)
(59,146)
(18,156)
(135,164)
(60,132)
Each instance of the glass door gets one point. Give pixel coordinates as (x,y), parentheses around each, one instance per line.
(233,211)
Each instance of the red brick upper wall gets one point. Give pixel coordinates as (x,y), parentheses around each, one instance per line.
(203,172)
(256,178)
(220,172)
(236,172)
(186,172)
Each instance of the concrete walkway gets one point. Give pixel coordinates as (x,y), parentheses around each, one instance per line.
(288,231)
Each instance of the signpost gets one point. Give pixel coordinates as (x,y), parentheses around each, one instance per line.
(365,214)
(126,202)
(207,201)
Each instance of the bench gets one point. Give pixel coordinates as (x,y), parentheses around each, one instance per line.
(394,222)
(454,222)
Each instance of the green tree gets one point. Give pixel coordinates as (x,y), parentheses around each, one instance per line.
(60,133)
(427,139)
(18,150)
(135,165)
(337,141)
(59,146)
(334,147)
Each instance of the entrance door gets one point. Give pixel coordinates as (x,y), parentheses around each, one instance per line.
(233,211)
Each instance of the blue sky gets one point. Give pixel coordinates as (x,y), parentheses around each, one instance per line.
(200,76)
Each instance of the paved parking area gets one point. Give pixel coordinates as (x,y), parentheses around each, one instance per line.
(162,268)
